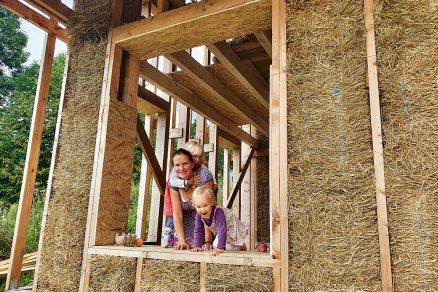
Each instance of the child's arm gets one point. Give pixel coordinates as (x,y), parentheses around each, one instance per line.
(221,224)
(176,182)
(198,234)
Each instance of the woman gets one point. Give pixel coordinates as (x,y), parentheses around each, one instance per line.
(183,211)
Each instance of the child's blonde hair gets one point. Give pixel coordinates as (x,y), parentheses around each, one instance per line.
(203,191)
(194,147)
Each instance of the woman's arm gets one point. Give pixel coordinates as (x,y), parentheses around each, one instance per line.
(178,220)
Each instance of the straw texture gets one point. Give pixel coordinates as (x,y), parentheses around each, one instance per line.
(61,256)
(407,41)
(332,211)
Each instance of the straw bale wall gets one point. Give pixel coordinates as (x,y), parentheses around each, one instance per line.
(111,273)
(407,42)
(62,248)
(232,278)
(263,209)
(333,241)
(169,276)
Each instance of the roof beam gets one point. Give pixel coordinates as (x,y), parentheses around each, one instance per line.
(264,38)
(35,18)
(192,25)
(171,87)
(207,80)
(150,103)
(251,79)
(226,139)
(54,8)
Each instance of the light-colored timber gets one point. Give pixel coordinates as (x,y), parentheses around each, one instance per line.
(193,25)
(54,8)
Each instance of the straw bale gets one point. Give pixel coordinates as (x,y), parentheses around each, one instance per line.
(263,210)
(111,273)
(169,276)
(407,40)
(232,278)
(61,256)
(333,240)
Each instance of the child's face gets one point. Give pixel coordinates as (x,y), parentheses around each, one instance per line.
(197,160)
(203,206)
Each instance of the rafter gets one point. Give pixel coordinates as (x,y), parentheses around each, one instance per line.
(251,79)
(193,25)
(54,8)
(226,140)
(171,87)
(150,103)
(264,38)
(35,18)
(203,77)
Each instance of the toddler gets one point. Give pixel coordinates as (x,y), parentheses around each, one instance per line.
(229,230)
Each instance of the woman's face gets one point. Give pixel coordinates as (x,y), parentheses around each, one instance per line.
(183,166)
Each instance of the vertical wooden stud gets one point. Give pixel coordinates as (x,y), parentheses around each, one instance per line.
(236,174)
(226,176)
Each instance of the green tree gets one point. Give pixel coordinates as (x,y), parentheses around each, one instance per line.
(15,121)
(12,55)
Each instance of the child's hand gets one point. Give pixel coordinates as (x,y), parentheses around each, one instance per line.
(196,179)
(217,251)
(207,246)
(181,246)
(196,249)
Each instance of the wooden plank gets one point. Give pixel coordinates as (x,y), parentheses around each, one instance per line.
(202,277)
(264,38)
(143,192)
(157,197)
(229,142)
(35,18)
(138,271)
(200,128)
(129,83)
(53,8)
(176,133)
(278,145)
(236,175)
(149,102)
(238,183)
(245,189)
(155,252)
(213,155)
(376,130)
(193,25)
(206,79)
(165,83)
(226,175)
(251,79)
(183,117)
(162,6)
(209,147)
(31,164)
(148,152)
(253,197)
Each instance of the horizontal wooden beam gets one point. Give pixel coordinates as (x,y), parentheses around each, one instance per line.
(149,154)
(156,252)
(230,140)
(208,81)
(239,181)
(264,38)
(54,8)
(251,79)
(192,25)
(173,88)
(35,18)
(150,103)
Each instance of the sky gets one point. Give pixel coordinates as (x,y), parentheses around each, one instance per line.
(36,37)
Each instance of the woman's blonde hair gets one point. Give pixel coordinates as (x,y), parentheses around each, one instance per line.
(203,191)
(194,147)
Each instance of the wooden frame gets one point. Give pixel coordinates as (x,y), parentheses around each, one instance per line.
(278,146)
(376,131)
(31,164)
(54,8)
(195,24)
(35,18)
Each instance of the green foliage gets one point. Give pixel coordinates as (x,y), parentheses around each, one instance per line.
(15,122)
(12,55)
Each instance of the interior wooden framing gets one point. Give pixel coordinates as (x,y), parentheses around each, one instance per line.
(176,27)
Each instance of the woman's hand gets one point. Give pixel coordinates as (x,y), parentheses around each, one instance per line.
(182,246)
(196,249)
(217,251)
